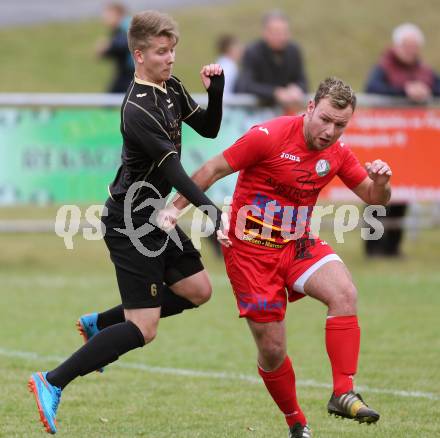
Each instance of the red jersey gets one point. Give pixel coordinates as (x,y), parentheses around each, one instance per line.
(280,180)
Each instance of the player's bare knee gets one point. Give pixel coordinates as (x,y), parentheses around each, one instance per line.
(203,294)
(273,353)
(272,360)
(149,333)
(349,294)
(150,336)
(147,324)
(344,300)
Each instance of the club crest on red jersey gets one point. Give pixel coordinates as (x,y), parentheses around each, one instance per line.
(322,167)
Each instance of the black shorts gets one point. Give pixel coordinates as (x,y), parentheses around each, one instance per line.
(141,277)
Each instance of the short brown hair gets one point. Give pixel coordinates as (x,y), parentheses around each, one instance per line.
(275,14)
(150,24)
(119,8)
(225,42)
(340,94)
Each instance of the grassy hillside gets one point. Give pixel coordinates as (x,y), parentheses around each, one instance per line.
(341,38)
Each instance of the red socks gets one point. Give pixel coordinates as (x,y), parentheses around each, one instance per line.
(281,385)
(342,341)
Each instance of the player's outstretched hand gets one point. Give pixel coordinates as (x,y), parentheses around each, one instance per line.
(215,72)
(379,172)
(222,234)
(167,218)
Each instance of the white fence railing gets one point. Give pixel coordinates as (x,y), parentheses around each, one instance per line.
(420,215)
(114,100)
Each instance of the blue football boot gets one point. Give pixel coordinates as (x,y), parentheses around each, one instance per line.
(87,327)
(48,398)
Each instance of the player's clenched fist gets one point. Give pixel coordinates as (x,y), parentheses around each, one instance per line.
(212,73)
(222,233)
(379,171)
(167,218)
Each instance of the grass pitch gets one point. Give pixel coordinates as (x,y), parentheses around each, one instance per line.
(198,378)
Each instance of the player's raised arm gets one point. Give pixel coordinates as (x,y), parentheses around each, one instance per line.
(375,189)
(206,122)
(369,182)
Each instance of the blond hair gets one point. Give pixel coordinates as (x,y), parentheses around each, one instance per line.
(340,94)
(149,24)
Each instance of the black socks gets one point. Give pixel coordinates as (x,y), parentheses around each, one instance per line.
(172,304)
(105,347)
(116,337)
(110,317)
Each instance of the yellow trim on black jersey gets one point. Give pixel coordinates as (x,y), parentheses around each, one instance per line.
(167,155)
(154,118)
(109,192)
(151,84)
(190,114)
(123,109)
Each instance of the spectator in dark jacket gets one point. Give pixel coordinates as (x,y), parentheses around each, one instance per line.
(400,72)
(272,67)
(116,47)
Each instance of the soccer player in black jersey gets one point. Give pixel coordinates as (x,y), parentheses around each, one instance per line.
(156,275)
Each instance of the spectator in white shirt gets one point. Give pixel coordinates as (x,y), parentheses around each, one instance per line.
(230,51)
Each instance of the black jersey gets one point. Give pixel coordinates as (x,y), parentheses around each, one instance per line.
(151,128)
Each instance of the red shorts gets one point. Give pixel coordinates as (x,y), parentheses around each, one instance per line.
(263,279)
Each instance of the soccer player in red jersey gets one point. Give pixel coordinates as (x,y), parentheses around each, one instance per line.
(283,165)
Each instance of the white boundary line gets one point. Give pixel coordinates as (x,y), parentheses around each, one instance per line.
(28,355)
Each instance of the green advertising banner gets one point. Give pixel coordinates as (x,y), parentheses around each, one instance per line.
(71,155)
